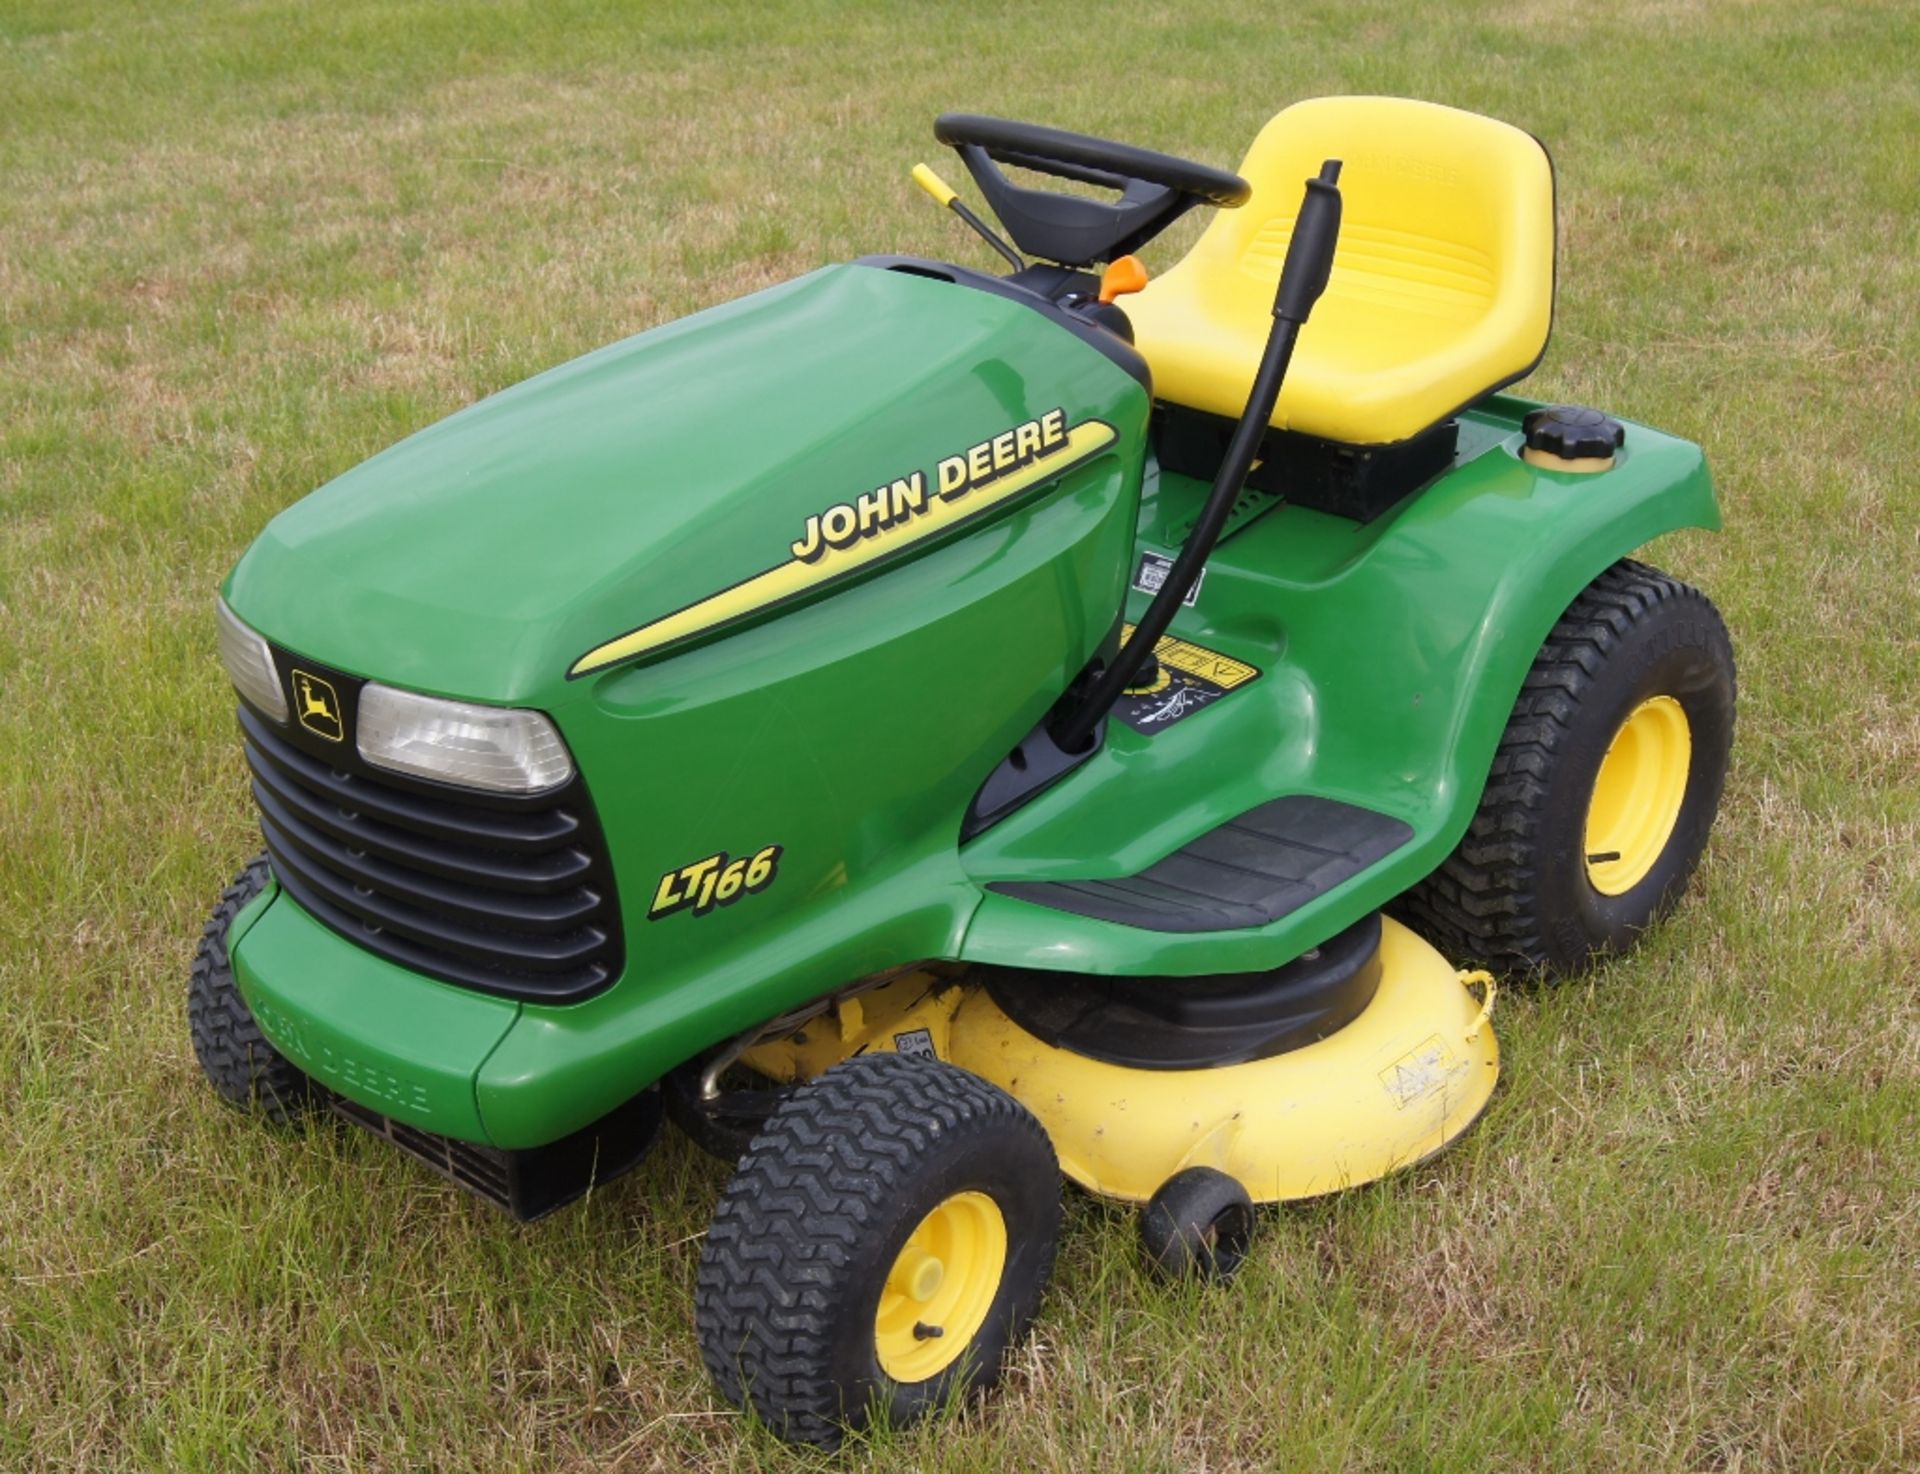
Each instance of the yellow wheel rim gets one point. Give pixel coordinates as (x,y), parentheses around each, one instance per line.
(1637,795)
(940,1288)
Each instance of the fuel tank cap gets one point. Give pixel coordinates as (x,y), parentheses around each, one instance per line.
(1568,437)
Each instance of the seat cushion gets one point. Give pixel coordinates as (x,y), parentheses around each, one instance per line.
(1442,285)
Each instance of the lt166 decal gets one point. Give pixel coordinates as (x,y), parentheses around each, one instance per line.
(718,880)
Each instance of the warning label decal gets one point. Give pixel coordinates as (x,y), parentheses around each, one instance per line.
(1189,678)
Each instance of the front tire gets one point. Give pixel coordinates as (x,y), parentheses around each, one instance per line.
(243,1068)
(882,1246)
(1604,787)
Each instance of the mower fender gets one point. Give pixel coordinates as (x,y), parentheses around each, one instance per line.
(391,1040)
(1389,655)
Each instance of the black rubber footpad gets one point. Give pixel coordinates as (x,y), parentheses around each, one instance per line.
(1169,1023)
(1248,872)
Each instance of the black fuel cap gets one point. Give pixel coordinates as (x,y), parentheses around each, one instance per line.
(1573,433)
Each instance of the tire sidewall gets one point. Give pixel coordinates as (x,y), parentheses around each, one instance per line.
(235,1056)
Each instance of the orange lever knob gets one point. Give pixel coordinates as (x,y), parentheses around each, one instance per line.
(1121,277)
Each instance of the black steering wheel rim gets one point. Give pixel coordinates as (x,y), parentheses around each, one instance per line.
(1033,146)
(1073,230)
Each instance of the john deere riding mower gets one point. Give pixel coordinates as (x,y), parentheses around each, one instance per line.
(933,731)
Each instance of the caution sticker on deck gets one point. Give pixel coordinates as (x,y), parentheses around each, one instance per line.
(1190,677)
(1423,1071)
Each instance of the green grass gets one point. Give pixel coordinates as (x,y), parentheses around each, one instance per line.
(244,246)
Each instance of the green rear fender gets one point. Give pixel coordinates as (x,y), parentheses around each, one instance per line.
(1391,655)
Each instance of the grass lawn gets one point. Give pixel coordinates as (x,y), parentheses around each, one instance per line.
(243,246)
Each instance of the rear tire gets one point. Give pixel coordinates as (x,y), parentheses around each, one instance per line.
(1522,893)
(882,1246)
(243,1068)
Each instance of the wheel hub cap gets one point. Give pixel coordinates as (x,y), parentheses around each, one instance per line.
(1637,795)
(941,1287)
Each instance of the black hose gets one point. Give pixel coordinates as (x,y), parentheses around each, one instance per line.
(1227,483)
(1302,279)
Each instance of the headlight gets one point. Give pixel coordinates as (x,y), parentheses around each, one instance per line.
(249,664)
(489,747)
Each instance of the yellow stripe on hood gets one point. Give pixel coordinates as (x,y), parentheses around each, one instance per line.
(794,578)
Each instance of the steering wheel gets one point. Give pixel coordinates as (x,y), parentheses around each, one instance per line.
(1155,189)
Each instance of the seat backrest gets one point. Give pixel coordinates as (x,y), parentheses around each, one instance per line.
(1444,273)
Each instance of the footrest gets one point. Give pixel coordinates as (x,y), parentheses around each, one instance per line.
(1247,872)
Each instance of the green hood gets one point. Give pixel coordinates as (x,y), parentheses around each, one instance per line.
(483,556)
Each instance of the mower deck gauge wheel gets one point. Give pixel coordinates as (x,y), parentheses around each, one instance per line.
(1199,1225)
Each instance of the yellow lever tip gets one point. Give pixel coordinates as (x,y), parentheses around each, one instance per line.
(933,184)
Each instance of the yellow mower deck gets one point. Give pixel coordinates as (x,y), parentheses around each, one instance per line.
(1400,1082)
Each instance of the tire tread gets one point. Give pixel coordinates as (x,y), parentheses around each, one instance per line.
(244,1069)
(809,1192)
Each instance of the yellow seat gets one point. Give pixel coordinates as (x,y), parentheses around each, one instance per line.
(1442,286)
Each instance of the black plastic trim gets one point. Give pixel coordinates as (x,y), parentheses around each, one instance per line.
(540,874)
(536,911)
(343,788)
(1155,189)
(532,1182)
(429,960)
(1094,160)
(1335,476)
(1037,760)
(1036,763)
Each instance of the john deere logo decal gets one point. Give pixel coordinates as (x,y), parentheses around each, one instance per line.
(318,706)
(849,535)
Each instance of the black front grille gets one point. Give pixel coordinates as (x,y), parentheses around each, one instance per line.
(509,895)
